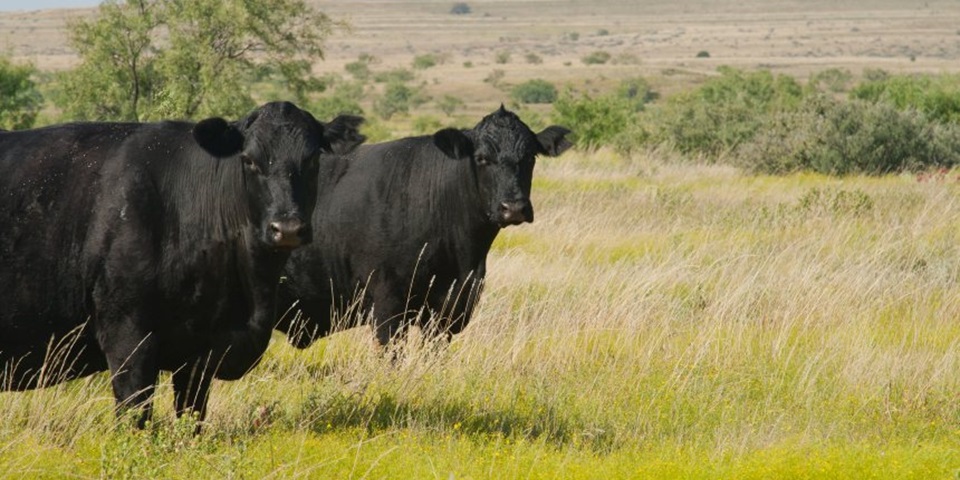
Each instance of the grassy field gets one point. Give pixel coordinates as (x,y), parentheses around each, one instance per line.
(659,320)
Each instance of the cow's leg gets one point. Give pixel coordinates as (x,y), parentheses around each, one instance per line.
(131,354)
(191,389)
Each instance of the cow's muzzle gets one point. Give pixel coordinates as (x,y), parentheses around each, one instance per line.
(515,212)
(288,234)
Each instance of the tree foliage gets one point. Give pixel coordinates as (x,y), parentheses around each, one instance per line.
(145,59)
(20,101)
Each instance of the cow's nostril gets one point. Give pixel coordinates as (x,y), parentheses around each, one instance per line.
(287,233)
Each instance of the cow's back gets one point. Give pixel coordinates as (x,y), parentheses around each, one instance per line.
(51,181)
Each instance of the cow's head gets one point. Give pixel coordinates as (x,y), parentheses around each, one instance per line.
(279,146)
(503,151)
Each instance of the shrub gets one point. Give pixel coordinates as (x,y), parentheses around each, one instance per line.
(449,104)
(703,54)
(534,91)
(595,121)
(937,96)
(845,137)
(502,57)
(638,91)
(425,124)
(460,8)
(343,99)
(495,77)
(831,80)
(596,58)
(359,70)
(724,112)
(398,75)
(20,101)
(423,62)
(533,58)
(397,98)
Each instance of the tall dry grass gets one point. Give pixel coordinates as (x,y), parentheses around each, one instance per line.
(652,307)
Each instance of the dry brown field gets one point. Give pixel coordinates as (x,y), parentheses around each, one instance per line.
(657,39)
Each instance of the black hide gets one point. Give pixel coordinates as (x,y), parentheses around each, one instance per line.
(404,227)
(138,248)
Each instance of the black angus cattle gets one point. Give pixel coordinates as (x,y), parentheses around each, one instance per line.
(158,246)
(405,226)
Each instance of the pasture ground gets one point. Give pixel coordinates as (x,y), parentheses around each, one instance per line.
(660,319)
(657,320)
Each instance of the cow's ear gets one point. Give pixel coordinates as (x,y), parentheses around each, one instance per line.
(453,143)
(343,133)
(217,137)
(552,140)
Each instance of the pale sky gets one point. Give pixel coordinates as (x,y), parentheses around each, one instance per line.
(13,5)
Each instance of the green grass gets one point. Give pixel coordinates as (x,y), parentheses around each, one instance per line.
(656,321)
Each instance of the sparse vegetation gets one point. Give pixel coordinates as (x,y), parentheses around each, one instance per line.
(495,77)
(448,104)
(502,57)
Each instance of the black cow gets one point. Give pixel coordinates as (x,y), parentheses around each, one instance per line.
(405,227)
(158,246)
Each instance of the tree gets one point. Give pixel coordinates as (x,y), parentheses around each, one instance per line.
(145,59)
(20,101)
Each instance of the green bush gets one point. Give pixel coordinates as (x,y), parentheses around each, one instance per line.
(845,137)
(724,112)
(502,57)
(359,70)
(534,91)
(423,62)
(20,101)
(425,124)
(936,96)
(397,98)
(342,99)
(596,58)
(638,91)
(595,121)
(533,58)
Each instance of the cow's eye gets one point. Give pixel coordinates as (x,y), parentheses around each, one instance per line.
(248,162)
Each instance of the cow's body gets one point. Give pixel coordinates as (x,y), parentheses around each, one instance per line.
(146,247)
(405,226)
